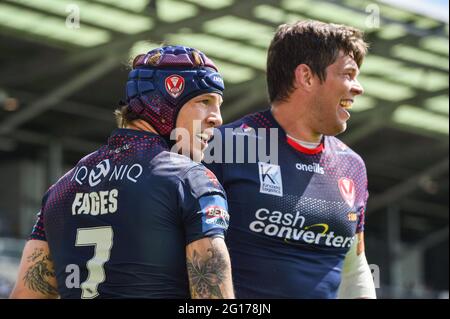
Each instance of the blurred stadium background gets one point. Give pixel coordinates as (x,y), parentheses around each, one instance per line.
(60,80)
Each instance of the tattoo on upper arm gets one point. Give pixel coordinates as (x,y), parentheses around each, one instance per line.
(207,273)
(38,274)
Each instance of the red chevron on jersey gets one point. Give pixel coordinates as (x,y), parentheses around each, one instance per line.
(212,177)
(347,189)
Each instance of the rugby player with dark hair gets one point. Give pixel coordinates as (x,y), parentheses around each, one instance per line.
(297,224)
(132,219)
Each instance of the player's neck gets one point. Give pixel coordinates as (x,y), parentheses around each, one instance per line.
(141,125)
(308,145)
(294,122)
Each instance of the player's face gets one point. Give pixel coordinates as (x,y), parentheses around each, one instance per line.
(197,119)
(335,96)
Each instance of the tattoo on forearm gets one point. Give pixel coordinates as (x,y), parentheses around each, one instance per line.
(38,274)
(207,274)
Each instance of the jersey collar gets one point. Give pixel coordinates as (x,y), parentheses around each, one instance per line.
(130,133)
(302,149)
(283,136)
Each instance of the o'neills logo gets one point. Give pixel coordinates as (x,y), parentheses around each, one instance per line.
(313,168)
(175,85)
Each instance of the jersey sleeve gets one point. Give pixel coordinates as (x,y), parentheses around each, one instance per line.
(214,156)
(38,232)
(216,169)
(203,204)
(362,213)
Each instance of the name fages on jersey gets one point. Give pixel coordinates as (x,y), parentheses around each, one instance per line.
(95,203)
(101,202)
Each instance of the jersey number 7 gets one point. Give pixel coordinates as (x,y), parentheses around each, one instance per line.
(102,239)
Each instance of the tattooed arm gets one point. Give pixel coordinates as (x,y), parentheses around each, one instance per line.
(36,278)
(209,269)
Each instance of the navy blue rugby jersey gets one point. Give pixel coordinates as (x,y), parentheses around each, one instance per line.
(292,222)
(122,217)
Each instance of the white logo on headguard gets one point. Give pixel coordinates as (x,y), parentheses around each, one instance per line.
(270,179)
(174,85)
(347,189)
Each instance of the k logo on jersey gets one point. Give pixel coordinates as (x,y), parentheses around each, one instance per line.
(270,179)
(175,85)
(347,189)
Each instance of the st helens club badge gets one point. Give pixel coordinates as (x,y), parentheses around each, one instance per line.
(347,189)
(175,85)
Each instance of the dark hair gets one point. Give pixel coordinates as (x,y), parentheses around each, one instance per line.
(313,43)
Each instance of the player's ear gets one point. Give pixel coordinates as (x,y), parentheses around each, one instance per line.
(304,77)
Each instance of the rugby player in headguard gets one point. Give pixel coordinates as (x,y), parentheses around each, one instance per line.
(132,219)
